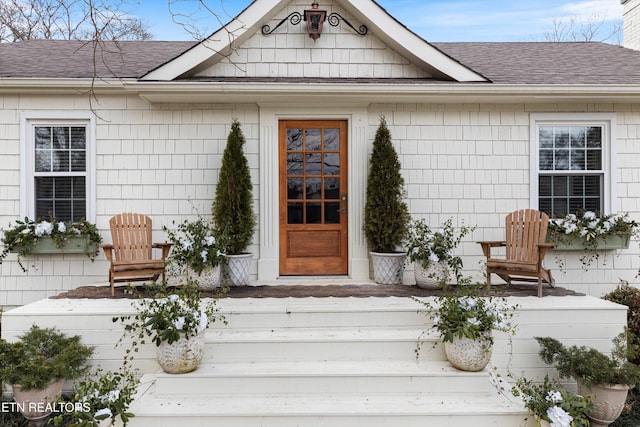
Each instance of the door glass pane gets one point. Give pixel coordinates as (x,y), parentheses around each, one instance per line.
(332,188)
(314,213)
(313,164)
(332,139)
(294,188)
(294,164)
(314,188)
(294,139)
(294,213)
(312,137)
(332,213)
(332,164)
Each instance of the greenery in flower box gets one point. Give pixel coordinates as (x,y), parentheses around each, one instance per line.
(549,401)
(590,365)
(40,356)
(24,237)
(427,246)
(591,230)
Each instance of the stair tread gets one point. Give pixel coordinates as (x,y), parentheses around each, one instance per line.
(319,334)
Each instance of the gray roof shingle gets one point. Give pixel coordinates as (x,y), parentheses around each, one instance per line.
(544,63)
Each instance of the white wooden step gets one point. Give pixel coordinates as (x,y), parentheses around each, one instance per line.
(321,378)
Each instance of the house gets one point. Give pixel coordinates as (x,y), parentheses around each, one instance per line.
(150,120)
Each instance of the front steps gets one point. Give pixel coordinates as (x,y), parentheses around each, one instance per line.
(323,362)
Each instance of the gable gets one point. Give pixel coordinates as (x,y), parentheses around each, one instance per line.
(387,50)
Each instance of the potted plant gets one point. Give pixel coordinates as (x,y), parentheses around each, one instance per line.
(549,402)
(465,323)
(36,366)
(589,231)
(605,377)
(52,236)
(198,251)
(100,399)
(176,323)
(432,253)
(386,215)
(233,208)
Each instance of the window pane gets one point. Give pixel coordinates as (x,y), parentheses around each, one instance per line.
(578,135)
(78,161)
(314,188)
(43,161)
(578,160)
(332,164)
(313,164)
(594,160)
(332,139)
(314,213)
(294,164)
(560,186)
(294,213)
(78,138)
(332,213)
(562,160)
(594,137)
(294,188)
(43,138)
(561,137)
(332,188)
(312,139)
(546,160)
(546,137)
(61,161)
(294,139)
(61,138)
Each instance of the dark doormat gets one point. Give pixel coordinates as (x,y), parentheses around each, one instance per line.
(317,291)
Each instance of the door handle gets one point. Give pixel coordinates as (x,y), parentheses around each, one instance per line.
(343,203)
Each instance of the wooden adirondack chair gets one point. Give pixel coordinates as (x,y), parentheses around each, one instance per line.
(526,233)
(130,255)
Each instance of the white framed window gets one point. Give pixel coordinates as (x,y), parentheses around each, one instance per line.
(58,166)
(573,162)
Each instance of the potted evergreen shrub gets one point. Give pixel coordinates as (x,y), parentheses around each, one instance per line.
(386,215)
(232,208)
(605,377)
(36,366)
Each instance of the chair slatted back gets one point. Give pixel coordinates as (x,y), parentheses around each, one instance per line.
(525,229)
(131,235)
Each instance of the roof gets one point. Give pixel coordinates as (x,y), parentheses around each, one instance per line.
(545,63)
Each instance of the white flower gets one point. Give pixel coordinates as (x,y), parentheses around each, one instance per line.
(173,297)
(474,321)
(179,323)
(209,241)
(186,245)
(44,228)
(437,320)
(434,257)
(553,396)
(558,417)
(26,231)
(589,215)
(416,250)
(570,228)
(204,321)
(113,396)
(468,303)
(104,411)
(62,227)
(204,254)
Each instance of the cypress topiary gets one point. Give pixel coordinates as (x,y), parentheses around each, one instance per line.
(233,204)
(386,215)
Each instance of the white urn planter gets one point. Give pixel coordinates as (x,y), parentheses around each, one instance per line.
(209,278)
(181,356)
(388,268)
(36,404)
(431,277)
(235,272)
(467,354)
(608,402)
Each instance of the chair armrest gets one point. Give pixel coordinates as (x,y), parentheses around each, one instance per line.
(487,245)
(543,248)
(107,248)
(166,247)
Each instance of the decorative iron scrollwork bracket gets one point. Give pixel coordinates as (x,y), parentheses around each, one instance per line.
(334,20)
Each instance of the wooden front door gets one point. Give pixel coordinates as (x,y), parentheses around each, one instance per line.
(313,197)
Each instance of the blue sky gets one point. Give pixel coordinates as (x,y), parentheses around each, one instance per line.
(434,20)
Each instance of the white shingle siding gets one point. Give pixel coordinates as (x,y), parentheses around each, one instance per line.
(631,24)
(469,161)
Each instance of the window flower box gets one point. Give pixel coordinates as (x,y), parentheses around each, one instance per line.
(50,237)
(604,242)
(588,231)
(81,244)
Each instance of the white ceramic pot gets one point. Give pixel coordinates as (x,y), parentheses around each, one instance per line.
(181,356)
(388,268)
(35,404)
(236,271)
(467,354)
(431,277)
(608,402)
(209,278)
